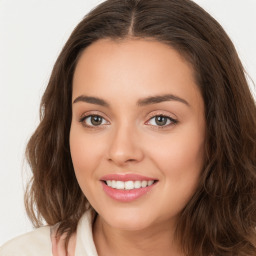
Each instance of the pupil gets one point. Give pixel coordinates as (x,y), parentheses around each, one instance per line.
(96,120)
(161,120)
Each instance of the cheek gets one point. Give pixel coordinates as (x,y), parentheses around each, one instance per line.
(182,171)
(180,158)
(85,151)
(180,151)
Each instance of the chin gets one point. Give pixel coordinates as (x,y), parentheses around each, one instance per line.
(128,219)
(129,224)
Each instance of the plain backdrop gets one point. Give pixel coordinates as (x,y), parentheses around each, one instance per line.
(32,33)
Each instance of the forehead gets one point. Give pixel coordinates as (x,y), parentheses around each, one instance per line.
(133,67)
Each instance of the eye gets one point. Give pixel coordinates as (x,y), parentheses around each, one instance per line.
(93,120)
(161,120)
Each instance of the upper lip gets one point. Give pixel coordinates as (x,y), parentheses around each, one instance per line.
(126,177)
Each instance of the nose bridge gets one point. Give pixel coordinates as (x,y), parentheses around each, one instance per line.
(124,145)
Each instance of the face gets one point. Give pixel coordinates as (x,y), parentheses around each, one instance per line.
(137,133)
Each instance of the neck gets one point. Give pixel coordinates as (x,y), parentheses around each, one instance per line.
(153,241)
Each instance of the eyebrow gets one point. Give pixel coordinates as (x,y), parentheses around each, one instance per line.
(159,99)
(141,102)
(92,100)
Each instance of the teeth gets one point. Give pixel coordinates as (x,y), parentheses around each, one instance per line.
(119,184)
(137,184)
(150,182)
(128,185)
(144,183)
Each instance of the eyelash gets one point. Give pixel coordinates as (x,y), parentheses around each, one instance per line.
(172,121)
(83,118)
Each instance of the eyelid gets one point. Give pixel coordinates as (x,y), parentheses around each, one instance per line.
(93,113)
(90,114)
(161,113)
(152,115)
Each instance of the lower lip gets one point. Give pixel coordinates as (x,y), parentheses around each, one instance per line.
(123,195)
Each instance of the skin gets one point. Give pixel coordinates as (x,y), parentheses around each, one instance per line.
(129,140)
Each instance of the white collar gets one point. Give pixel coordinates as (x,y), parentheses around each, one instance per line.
(84,240)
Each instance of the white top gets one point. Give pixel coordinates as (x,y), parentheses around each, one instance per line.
(38,242)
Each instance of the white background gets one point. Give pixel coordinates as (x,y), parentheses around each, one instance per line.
(32,33)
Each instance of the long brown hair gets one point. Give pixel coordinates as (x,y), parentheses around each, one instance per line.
(220,218)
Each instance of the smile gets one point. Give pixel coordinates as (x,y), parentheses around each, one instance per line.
(127,187)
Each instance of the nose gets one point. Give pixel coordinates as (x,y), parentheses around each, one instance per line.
(125,147)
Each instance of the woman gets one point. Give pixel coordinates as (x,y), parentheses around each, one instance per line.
(146,144)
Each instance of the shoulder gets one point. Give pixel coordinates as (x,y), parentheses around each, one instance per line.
(35,243)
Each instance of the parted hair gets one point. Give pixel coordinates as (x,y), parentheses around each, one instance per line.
(220,217)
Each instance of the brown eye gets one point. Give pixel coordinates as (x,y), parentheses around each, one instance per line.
(93,120)
(161,120)
(96,120)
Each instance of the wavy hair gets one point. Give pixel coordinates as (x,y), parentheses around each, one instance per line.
(220,218)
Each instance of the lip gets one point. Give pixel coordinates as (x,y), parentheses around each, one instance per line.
(123,195)
(126,177)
